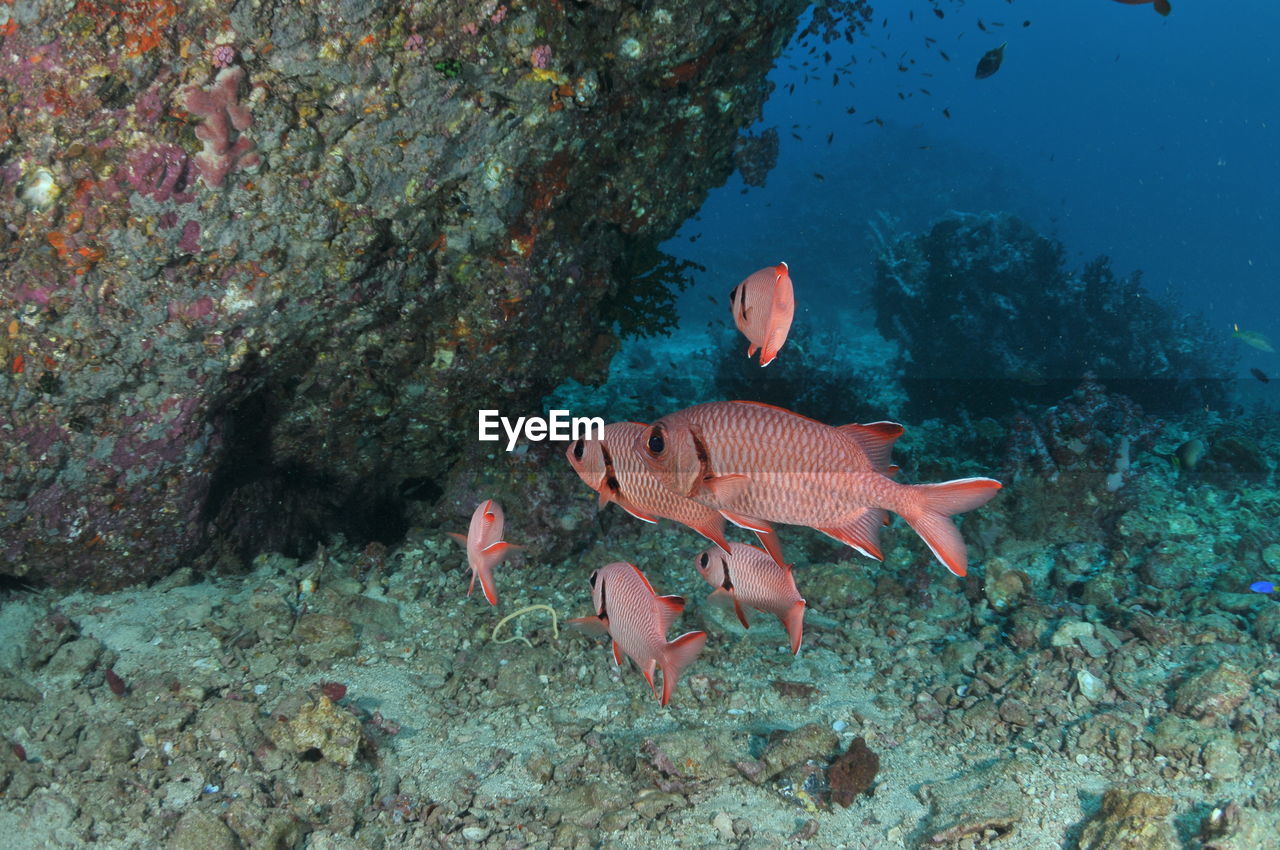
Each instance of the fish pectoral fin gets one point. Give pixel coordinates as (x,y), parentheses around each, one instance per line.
(727,488)
(605,498)
(591,625)
(460,538)
(759,526)
(500,547)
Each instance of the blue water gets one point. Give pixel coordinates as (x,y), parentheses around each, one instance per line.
(1152,140)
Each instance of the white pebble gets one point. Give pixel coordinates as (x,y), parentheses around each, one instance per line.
(839,726)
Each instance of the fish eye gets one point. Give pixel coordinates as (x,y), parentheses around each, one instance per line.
(577,450)
(656,443)
(704,560)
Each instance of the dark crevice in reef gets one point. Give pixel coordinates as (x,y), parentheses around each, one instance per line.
(260,503)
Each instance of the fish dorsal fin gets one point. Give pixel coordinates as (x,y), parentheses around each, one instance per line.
(647,586)
(876,440)
(669,609)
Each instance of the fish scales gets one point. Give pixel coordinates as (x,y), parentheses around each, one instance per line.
(794,464)
(612,468)
(637,620)
(757,462)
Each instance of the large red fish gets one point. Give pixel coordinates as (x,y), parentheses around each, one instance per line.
(612,468)
(763,306)
(1161,6)
(754,462)
(638,619)
(748,576)
(485,547)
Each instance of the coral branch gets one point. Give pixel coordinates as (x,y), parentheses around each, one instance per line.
(225,120)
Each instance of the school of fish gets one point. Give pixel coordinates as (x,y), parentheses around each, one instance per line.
(754,465)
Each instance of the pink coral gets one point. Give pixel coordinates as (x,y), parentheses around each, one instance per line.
(541,56)
(226,148)
(223,55)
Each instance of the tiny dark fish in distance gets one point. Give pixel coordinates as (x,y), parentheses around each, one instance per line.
(1260,375)
(990,62)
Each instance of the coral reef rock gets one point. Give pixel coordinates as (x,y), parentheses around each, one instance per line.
(261,264)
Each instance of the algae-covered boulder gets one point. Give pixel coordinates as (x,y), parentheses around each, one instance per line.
(261,263)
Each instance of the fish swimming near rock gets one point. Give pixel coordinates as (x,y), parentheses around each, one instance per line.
(1161,6)
(990,62)
(763,306)
(637,620)
(612,468)
(1253,339)
(753,462)
(747,575)
(1260,375)
(485,547)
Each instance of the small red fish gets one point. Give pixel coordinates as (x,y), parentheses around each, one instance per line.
(1161,6)
(485,547)
(638,619)
(753,462)
(763,306)
(748,576)
(613,469)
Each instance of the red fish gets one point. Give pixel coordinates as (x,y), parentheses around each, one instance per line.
(638,619)
(748,576)
(755,462)
(485,547)
(613,469)
(1161,6)
(763,306)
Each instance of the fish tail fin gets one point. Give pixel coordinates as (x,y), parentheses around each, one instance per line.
(793,622)
(935,503)
(679,654)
